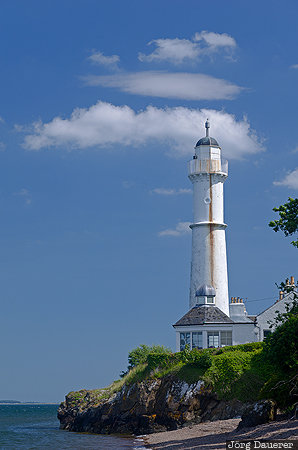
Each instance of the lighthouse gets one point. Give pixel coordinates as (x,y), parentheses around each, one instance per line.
(211,320)
(209,278)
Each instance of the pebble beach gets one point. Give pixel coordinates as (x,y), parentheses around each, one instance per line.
(213,435)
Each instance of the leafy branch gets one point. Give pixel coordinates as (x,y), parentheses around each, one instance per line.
(288,219)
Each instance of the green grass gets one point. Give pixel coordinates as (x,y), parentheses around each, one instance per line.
(240,372)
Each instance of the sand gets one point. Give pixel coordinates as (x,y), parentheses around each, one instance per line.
(213,435)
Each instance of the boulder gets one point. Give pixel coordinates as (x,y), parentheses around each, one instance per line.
(260,412)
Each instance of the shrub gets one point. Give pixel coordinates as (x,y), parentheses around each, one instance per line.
(196,357)
(161,360)
(226,369)
(250,347)
(140,354)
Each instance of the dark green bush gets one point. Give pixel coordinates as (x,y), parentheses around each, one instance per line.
(281,347)
(197,358)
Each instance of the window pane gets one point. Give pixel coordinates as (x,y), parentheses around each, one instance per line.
(225,338)
(213,339)
(210,299)
(184,340)
(197,340)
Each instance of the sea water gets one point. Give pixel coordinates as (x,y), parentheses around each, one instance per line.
(37,427)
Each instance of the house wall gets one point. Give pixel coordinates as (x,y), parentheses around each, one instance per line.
(241,333)
(269,315)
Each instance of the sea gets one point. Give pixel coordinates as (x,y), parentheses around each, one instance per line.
(37,427)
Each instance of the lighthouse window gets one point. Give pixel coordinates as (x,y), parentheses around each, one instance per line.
(210,299)
(213,339)
(197,340)
(184,340)
(225,338)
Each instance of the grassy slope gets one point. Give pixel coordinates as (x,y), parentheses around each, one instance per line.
(240,372)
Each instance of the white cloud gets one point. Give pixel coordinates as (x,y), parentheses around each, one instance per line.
(172,50)
(215,40)
(290,180)
(294,66)
(25,194)
(178,51)
(186,86)
(101,59)
(163,191)
(180,229)
(176,129)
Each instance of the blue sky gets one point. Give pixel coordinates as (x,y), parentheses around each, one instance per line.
(101,104)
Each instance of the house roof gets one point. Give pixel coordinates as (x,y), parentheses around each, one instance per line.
(253,318)
(203,314)
(288,297)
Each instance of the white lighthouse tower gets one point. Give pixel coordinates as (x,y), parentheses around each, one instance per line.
(209,278)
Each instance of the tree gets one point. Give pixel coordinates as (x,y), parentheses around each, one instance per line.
(282,345)
(288,221)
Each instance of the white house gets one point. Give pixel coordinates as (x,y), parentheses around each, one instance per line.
(213,320)
(280,306)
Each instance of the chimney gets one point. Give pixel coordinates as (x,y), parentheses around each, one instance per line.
(287,282)
(281,295)
(292,281)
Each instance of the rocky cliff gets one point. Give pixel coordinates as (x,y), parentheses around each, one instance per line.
(145,407)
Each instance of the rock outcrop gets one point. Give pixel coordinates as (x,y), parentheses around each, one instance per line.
(145,407)
(260,412)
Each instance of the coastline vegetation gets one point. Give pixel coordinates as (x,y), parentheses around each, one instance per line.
(247,372)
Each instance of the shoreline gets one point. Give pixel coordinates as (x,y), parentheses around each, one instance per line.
(27,403)
(213,435)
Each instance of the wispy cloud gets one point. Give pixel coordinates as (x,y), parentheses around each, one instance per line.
(126,184)
(163,191)
(25,194)
(290,180)
(294,66)
(180,229)
(99,58)
(105,125)
(187,86)
(178,51)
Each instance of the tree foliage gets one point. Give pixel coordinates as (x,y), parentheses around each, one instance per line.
(140,354)
(281,347)
(288,219)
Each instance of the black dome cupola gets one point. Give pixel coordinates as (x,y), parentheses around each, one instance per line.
(207,140)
